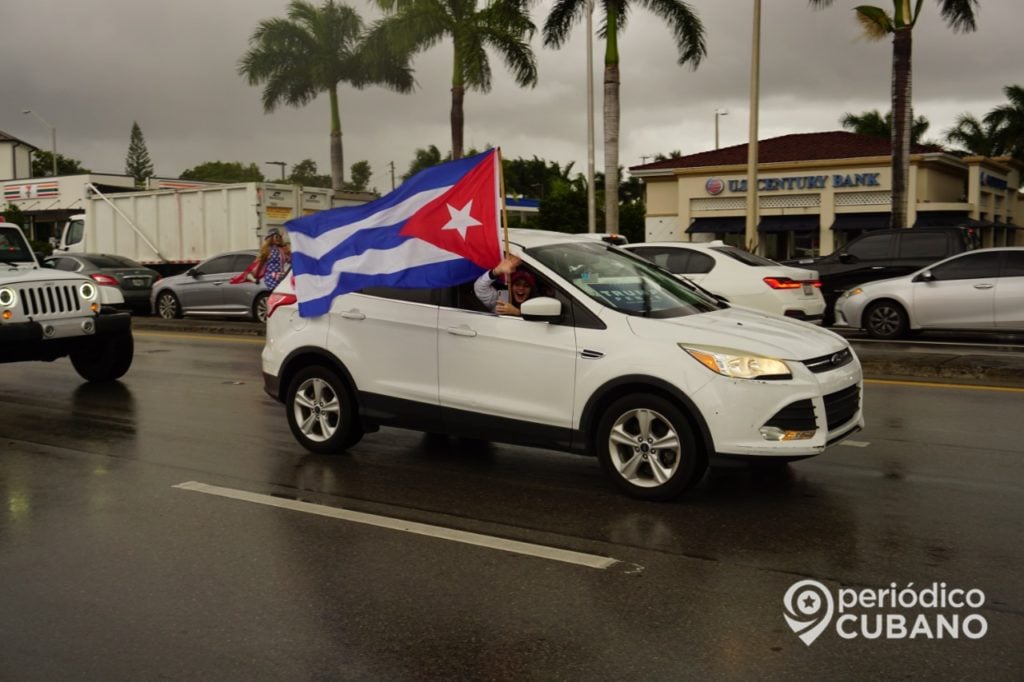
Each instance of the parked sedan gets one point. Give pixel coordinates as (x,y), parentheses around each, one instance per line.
(740,277)
(978,290)
(206,290)
(133,279)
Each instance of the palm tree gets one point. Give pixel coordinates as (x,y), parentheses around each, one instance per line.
(688,32)
(311,52)
(974,136)
(874,124)
(1007,122)
(877,24)
(413,26)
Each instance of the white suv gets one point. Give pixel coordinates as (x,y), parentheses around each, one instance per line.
(613,357)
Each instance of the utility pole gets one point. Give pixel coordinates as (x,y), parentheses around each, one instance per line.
(391,165)
(719,112)
(591,205)
(750,233)
(53,136)
(277,163)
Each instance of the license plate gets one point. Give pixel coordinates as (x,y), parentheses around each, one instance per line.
(808,289)
(141,282)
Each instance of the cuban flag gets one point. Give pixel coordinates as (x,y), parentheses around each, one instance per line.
(438,229)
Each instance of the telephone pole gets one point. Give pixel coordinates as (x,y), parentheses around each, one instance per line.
(391,165)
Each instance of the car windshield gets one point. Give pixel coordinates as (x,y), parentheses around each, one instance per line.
(622,281)
(13,248)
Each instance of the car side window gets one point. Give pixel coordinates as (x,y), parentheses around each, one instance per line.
(217,266)
(241,261)
(871,247)
(675,260)
(700,263)
(923,245)
(971,266)
(1013,264)
(429,296)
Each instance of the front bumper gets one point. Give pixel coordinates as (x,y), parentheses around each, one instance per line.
(52,339)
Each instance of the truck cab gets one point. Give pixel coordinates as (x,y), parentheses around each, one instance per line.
(46,314)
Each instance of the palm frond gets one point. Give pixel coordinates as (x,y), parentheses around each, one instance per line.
(687,29)
(874,21)
(959,14)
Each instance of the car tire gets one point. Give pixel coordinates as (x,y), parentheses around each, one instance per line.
(259,307)
(885,320)
(628,438)
(167,306)
(105,359)
(321,411)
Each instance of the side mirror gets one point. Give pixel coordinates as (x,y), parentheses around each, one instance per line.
(541,309)
(193,272)
(847,258)
(925,276)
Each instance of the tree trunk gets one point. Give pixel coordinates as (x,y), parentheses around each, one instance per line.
(902,118)
(611,122)
(458,119)
(337,153)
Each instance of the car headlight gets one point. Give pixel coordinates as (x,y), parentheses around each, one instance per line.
(87,291)
(8,298)
(856,291)
(737,364)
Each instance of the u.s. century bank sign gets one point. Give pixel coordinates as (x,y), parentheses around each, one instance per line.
(715,186)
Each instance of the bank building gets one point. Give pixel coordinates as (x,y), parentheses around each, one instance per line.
(817,191)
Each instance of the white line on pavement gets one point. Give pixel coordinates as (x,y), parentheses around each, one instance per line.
(440,532)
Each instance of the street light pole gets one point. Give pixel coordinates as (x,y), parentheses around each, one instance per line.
(53,137)
(750,233)
(719,112)
(282,164)
(591,202)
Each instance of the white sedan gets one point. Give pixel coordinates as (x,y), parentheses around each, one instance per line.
(740,277)
(980,290)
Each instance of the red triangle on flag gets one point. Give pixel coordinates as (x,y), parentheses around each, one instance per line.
(464,220)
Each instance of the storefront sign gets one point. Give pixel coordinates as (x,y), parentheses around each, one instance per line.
(796,182)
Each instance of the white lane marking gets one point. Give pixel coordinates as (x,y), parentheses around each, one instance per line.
(440,532)
(855,443)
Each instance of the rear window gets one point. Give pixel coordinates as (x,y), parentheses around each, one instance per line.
(744,257)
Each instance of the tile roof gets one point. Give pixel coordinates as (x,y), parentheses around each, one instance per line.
(836,144)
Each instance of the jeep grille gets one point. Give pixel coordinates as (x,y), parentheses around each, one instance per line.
(50,300)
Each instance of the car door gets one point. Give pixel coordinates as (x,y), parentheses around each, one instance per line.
(238,298)
(960,295)
(1010,292)
(506,378)
(387,339)
(201,288)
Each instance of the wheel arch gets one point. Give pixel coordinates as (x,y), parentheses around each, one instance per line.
(611,391)
(889,298)
(308,356)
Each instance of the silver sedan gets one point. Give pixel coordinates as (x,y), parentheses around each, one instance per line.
(207,290)
(980,290)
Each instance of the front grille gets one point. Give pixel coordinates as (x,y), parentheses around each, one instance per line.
(49,300)
(842,406)
(827,363)
(798,416)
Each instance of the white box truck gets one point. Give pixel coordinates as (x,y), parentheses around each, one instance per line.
(173,230)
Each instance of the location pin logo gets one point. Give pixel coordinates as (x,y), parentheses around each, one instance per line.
(808,609)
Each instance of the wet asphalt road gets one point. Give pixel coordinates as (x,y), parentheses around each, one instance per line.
(109,572)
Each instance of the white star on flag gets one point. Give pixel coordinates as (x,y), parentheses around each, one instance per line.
(461,219)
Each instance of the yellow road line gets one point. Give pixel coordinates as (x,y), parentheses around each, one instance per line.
(933,384)
(235,338)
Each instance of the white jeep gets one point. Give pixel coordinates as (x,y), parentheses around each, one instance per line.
(47,314)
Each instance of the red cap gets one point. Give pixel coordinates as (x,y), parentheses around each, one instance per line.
(523,275)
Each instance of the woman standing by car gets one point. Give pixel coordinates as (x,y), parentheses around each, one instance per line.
(273,259)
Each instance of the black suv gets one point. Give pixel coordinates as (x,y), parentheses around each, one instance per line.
(882,254)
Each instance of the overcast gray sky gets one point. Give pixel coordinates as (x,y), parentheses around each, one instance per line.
(91,67)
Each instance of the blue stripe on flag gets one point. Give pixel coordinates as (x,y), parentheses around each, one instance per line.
(447,273)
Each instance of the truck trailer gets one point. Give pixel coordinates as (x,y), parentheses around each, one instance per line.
(173,230)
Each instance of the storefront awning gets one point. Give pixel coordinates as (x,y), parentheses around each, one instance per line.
(847,222)
(726,225)
(789,223)
(941,219)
